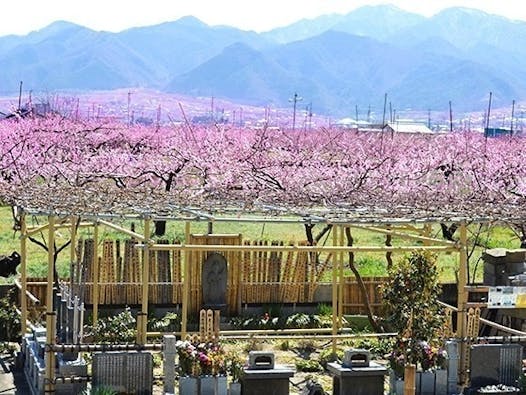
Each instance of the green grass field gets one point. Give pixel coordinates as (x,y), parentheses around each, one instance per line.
(369,264)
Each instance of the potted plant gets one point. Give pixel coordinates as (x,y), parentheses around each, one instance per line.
(410,298)
(235,369)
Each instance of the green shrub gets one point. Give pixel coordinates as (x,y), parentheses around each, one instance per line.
(308,365)
(120,328)
(10,326)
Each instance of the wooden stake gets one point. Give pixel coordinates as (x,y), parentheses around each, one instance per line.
(410,379)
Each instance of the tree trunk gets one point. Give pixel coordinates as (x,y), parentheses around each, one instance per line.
(160,228)
(377,328)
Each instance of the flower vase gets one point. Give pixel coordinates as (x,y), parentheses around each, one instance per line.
(235,389)
(212,385)
(433,382)
(207,385)
(222,385)
(188,385)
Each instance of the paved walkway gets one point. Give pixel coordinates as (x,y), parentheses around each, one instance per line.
(12,381)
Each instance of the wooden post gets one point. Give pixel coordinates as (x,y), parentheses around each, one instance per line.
(95,271)
(334,290)
(462,300)
(23,273)
(410,379)
(49,383)
(143,316)
(186,282)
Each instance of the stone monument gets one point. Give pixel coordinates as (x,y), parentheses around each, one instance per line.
(214,280)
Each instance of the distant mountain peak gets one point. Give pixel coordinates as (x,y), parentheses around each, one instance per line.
(191,21)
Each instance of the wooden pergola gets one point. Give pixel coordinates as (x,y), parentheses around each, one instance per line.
(103,208)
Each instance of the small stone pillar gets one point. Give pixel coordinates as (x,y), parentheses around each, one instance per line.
(169,353)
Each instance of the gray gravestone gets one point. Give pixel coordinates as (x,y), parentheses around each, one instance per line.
(214,278)
(495,364)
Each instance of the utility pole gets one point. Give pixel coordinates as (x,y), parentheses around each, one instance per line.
(429,118)
(20,96)
(309,115)
(450,117)
(487,116)
(356,108)
(129,103)
(294,100)
(512,115)
(385,108)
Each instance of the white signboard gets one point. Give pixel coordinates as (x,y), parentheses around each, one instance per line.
(506,297)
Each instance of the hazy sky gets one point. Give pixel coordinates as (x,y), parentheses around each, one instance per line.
(115,15)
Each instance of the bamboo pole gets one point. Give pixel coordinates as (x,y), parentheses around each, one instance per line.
(340,279)
(334,291)
(186,283)
(125,231)
(296,248)
(462,299)
(72,253)
(23,272)
(95,271)
(425,238)
(142,323)
(49,385)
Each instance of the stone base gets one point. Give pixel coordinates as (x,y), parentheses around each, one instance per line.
(357,381)
(266,382)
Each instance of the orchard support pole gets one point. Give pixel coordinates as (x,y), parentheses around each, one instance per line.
(23,273)
(462,301)
(186,282)
(51,316)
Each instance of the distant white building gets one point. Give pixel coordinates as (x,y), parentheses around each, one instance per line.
(406,127)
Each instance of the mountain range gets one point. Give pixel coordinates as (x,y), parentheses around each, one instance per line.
(334,62)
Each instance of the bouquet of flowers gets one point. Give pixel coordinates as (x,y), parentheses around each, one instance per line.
(200,359)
